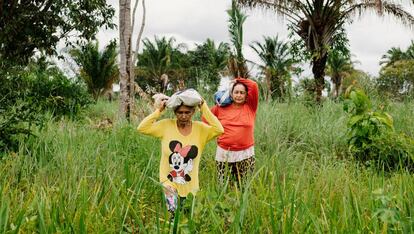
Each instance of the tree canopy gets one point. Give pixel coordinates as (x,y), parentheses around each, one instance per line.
(28,26)
(98,69)
(277,65)
(317,23)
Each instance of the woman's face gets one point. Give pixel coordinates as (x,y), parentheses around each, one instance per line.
(184,113)
(239,94)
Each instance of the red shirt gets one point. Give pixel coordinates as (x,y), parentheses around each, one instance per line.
(238,121)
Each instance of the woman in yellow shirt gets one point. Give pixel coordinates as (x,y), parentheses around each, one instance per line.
(182,143)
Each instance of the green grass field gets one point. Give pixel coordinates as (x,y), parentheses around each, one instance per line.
(79,177)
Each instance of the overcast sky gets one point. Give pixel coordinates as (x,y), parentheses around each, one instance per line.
(193,21)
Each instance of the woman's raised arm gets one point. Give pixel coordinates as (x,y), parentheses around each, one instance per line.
(150,126)
(252,92)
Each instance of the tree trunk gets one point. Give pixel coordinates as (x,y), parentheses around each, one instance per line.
(338,87)
(269,85)
(336,80)
(318,70)
(237,68)
(138,89)
(126,66)
(243,71)
(141,30)
(281,87)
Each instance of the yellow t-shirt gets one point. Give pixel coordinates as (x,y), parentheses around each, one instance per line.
(180,155)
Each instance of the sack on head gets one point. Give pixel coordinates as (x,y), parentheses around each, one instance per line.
(188,97)
(223,98)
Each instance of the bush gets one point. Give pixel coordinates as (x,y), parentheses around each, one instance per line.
(305,91)
(27,93)
(371,135)
(397,80)
(363,80)
(58,94)
(17,112)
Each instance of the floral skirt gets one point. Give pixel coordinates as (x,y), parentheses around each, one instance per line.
(237,171)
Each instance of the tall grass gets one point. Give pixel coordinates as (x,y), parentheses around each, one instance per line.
(78,176)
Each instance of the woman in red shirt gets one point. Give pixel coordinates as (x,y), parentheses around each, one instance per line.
(235,147)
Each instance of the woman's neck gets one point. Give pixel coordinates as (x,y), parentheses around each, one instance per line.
(184,127)
(181,124)
(238,105)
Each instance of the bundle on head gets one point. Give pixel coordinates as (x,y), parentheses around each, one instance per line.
(188,97)
(158,98)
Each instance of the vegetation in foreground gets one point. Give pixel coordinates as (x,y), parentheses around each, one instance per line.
(91,176)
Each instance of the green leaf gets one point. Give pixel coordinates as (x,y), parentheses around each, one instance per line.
(355,119)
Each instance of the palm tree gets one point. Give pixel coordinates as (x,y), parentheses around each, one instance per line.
(277,64)
(393,55)
(339,65)
(396,54)
(160,57)
(317,22)
(157,55)
(219,55)
(208,54)
(98,69)
(211,59)
(237,63)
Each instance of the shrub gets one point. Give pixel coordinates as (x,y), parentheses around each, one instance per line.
(397,80)
(371,135)
(17,112)
(29,92)
(56,93)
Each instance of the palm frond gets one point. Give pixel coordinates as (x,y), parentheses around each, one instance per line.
(99,70)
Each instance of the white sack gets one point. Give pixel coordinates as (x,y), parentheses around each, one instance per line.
(188,97)
(158,98)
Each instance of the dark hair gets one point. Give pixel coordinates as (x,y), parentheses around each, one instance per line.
(245,86)
(176,108)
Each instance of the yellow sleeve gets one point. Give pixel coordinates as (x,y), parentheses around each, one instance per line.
(150,126)
(214,127)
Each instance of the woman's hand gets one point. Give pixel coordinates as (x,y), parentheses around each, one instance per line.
(159,101)
(201,103)
(163,102)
